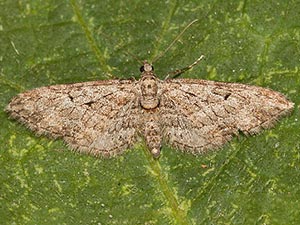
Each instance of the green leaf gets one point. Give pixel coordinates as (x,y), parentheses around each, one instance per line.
(252,180)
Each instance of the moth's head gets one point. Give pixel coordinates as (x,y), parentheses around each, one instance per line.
(146,67)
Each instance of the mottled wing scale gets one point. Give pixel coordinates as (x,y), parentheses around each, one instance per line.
(199,115)
(93,117)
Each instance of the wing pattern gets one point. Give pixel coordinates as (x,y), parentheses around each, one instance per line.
(95,117)
(198,115)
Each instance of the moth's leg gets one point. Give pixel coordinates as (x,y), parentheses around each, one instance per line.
(176,73)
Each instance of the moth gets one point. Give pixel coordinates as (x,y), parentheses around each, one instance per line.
(104,118)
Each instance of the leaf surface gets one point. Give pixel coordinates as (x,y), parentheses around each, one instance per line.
(253,180)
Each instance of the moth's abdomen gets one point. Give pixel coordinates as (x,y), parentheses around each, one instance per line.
(152,135)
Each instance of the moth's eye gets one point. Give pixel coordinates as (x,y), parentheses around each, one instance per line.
(152,68)
(142,69)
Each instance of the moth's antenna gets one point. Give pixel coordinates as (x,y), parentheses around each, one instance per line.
(173,42)
(134,56)
(126,51)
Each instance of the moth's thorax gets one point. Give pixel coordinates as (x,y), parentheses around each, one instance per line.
(149,88)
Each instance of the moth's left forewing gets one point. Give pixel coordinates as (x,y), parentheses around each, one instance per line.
(94,117)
